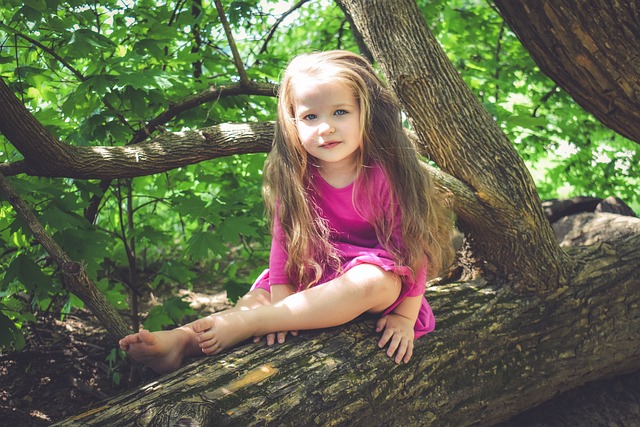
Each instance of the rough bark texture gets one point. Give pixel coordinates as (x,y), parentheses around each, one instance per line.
(507,226)
(493,355)
(590,48)
(592,228)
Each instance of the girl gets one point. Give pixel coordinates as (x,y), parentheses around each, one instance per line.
(357,227)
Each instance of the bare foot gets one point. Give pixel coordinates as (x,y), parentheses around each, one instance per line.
(222,331)
(162,351)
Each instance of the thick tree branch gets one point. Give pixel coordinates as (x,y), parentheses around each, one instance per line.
(164,152)
(46,156)
(588,47)
(492,355)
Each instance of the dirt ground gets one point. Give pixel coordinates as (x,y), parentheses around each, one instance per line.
(64,371)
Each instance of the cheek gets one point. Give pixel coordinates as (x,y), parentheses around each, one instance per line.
(305,133)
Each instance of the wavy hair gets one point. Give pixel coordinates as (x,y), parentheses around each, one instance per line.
(287,189)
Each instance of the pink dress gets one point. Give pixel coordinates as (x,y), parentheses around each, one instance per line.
(355,239)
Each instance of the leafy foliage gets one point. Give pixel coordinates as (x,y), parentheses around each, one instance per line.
(97,73)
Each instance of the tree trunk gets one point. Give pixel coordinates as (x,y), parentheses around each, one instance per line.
(506,225)
(493,355)
(590,48)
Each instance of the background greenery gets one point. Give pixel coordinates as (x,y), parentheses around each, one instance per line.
(95,73)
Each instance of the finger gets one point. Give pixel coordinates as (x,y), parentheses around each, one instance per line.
(386,335)
(294,333)
(281,337)
(402,350)
(271,339)
(409,353)
(381,323)
(256,339)
(393,345)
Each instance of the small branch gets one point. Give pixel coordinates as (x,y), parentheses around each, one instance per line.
(544,99)
(279,21)
(244,80)
(192,101)
(51,52)
(497,59)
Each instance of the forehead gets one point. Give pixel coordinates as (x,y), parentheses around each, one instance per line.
(307,90)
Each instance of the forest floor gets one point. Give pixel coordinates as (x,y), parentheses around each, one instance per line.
(63,371)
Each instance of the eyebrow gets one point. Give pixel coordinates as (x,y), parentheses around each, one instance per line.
(299,107)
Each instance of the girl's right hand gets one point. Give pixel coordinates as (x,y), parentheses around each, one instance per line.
(278,293)
(274,337)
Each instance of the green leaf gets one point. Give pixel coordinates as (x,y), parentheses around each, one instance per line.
(10,335)
(177,308)
(202,243)
(39,5)
(84,41)
(232,228)
(27,272)
(189,205)
(157,319)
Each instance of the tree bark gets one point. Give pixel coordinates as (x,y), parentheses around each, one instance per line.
(509,231)
(590,48)
(493,355)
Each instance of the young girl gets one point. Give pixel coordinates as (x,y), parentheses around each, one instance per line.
(357,227)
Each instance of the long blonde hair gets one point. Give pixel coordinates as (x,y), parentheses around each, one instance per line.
(287,189)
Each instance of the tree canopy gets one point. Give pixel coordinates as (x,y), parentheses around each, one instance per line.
(152,119)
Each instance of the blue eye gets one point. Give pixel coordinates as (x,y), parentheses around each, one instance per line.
(310,117)
(340,112)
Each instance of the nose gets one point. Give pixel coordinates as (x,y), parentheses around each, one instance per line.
(325,128)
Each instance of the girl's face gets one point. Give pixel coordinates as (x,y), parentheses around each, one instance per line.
(328,122)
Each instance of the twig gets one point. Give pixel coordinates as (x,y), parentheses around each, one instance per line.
(279,21)
(51,52)
(244,80)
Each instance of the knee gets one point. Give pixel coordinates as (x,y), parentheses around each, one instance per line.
(375,282)
(254,298)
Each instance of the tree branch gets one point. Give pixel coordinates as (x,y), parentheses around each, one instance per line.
(73,272)
(44,48)
(279,21)
(244,80)
(492,355)
(164,152)
(192,101)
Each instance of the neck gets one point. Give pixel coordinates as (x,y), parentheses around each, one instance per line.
(339,175)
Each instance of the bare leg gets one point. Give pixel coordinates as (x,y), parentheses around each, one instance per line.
(164,351)
(364,288)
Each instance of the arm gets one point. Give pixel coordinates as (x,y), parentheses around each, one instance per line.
(398,328)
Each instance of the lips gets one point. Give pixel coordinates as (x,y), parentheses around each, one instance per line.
(329,144)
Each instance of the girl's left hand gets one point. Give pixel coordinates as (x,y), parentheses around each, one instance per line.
(398,332)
